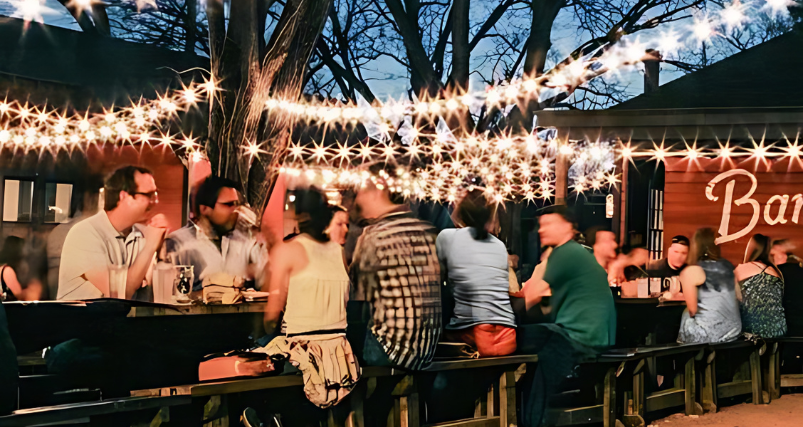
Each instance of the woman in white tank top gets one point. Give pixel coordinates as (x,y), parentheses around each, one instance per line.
(310,287)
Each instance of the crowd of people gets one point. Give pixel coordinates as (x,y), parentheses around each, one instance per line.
(407,287)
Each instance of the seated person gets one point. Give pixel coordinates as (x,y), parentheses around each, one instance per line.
(760,291)
(116,235)
(212,242)
(792,273)
(405,335)
(709,287)
(582,311)
(11,261)
(310,286)
(475,265)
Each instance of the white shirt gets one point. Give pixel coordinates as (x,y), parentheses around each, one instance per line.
(189,245)
(91,244)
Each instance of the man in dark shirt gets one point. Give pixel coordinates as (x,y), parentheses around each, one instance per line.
(790,268)
(582,311)
(673,263)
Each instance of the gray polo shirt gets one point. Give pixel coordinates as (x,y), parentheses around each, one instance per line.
(94,243)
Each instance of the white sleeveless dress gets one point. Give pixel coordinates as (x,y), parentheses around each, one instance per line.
(315,325)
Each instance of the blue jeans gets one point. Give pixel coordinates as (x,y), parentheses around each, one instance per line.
(557,356)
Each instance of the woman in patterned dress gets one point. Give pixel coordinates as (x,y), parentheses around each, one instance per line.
(712,311)
(760,291)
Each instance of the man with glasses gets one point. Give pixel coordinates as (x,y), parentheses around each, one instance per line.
(212,242)
(117,235)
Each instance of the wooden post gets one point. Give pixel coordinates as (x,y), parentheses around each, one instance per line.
(622,210)
(609,399)
(507,400)
(709,386)
(561,175)
(690,383)
(405,410)
(755,376)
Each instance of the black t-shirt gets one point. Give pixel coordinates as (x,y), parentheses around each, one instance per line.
(661,268)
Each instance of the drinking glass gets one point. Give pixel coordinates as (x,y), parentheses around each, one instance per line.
(164,276)
(117,281)
(184,279)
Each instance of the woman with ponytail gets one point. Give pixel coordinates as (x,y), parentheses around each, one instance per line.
(474,264)
(309,288)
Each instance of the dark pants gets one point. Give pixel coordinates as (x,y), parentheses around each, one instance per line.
(9,375)
(557,356)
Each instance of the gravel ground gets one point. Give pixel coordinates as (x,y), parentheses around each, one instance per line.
(784,412)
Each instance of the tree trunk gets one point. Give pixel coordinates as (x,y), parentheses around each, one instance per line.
(540,40)
(460,49)
(537,47)
(423,78)
(237,119)
(190,26)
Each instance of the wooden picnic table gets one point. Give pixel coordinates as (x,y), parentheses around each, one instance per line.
(647,321)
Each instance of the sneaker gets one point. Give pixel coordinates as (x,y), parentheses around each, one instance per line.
(250,418)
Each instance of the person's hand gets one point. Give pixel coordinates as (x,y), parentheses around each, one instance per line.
(156,229)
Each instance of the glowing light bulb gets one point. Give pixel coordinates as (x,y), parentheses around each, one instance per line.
(452,104)
(703,30)
(5,136)
(779,7)
(669,43)
(566,150)
(733,15)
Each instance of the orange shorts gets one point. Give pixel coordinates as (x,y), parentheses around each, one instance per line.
(490,340)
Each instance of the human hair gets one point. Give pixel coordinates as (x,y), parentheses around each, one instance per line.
(702,246)
(337,208)
(313,213)
(564,211)
(11,253)
(591,234)
(380,170)
(475,213)
(209,191)
(761,251)
(123,179)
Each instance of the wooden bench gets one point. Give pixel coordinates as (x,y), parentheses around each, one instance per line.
(624,372)
(775,379)
(497,409)
(99,412)
(746,380)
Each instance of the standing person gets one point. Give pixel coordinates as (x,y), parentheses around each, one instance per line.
(309,284)
(396,274)
(761,287)
(116,235)
(212,243)
(475,264)
(709,288)
(9,375)
(582,313)
(792,273)
(11,259)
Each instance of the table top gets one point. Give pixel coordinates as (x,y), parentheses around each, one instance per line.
(650,301)
(148,309)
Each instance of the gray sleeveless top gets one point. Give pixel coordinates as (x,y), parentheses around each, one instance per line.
(718,318)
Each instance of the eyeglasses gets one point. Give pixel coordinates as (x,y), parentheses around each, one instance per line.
(232,204)
(153,196)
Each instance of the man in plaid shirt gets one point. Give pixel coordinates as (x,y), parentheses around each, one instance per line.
(396,271)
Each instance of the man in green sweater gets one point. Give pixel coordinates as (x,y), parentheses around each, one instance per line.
(582,316)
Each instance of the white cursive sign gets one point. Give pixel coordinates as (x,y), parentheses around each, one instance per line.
(782,200)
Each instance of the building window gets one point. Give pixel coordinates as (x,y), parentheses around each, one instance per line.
(655,239)
(58,199)
(17,200)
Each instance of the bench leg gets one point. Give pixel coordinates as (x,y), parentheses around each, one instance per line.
(690,384)
(771,374)
(639,393)
(755,377)
(406,404)
(709,386)
(609,399)
(507,400)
